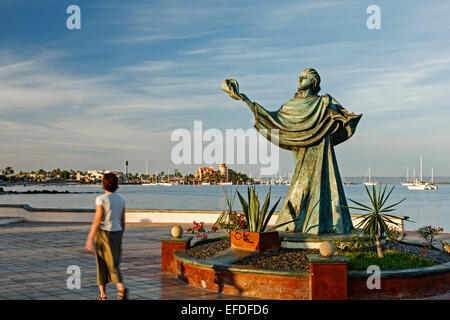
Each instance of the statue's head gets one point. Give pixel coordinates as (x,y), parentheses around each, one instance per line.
(309,78)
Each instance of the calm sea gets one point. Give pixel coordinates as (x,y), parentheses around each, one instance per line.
(423,207)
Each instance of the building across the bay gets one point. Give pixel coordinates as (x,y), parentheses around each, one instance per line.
(209,172)
(96,175)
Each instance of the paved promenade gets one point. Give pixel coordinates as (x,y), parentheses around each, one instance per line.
(34,258)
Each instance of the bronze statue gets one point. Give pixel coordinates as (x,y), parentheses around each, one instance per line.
(310,126)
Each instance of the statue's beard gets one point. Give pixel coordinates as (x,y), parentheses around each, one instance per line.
(303,88)
(302,91)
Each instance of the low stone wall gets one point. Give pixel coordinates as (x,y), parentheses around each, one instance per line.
(245,281)
(401,284)
(259,283)
(328,277)
(133,216)
(86,215)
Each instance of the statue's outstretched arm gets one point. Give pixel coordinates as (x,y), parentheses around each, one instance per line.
(252,105)
(231,87)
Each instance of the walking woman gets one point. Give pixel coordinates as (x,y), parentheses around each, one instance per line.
(106,232)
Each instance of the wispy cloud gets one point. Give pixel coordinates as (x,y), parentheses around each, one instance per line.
(141,69)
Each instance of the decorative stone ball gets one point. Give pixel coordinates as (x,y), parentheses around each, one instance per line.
(326,249)
(176,231)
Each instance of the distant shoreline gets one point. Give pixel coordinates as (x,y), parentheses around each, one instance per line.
(55,184)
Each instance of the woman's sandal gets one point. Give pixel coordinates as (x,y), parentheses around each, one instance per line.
(123,295)
(101,298)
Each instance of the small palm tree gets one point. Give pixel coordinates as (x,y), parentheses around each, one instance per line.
(374,223)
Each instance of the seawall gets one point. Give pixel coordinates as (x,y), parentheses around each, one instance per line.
(28,213)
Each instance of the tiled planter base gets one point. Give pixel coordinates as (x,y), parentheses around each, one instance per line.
(243,281)
(328,278)
(402,284)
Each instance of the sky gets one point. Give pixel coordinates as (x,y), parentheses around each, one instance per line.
(136,71)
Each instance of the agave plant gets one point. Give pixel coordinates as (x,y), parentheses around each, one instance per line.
(374,223)
(229,219)
(257,218)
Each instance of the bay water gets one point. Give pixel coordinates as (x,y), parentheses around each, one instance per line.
(422,207)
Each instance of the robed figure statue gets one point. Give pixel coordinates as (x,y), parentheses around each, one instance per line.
(310,126)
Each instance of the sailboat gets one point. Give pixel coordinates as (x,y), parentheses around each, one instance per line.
(168,183)
(289,179)
(369,182)
(421,185)
(148,183)
(407,181)
(151,183)
(431,186)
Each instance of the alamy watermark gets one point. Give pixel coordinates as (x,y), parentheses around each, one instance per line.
(374,20)
(236,146)
(74,280)
(73,22)
(374,280)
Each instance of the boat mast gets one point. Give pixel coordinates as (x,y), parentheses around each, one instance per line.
(421,178)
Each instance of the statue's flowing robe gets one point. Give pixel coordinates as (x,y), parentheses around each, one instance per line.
(310,127)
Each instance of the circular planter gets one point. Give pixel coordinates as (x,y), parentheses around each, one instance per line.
(243,280)
(263,283)
(401,284)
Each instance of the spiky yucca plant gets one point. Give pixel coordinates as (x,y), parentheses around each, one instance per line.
(374,223)
(229,218)
(257,218)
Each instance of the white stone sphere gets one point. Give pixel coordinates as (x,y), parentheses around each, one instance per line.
(176,231)
(326,248)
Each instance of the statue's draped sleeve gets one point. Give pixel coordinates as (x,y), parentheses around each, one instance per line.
(305,122)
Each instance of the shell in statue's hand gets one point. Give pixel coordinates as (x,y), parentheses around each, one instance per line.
(231,87)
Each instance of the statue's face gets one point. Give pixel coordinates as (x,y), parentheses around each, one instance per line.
(305,81)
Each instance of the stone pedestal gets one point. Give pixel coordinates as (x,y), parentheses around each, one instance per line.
(168,246)
(328,277)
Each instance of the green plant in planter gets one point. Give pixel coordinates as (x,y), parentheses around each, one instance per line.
(374,223)
(352,243)
(428,233)
(230,219)
(257,218)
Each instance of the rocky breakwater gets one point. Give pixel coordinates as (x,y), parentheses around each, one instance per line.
(2,191)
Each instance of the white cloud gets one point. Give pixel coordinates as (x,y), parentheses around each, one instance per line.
(399,85)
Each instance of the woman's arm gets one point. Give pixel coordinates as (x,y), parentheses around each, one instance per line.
(94,226)
(123,220)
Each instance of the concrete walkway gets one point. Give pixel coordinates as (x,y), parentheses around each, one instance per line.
(34,258)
